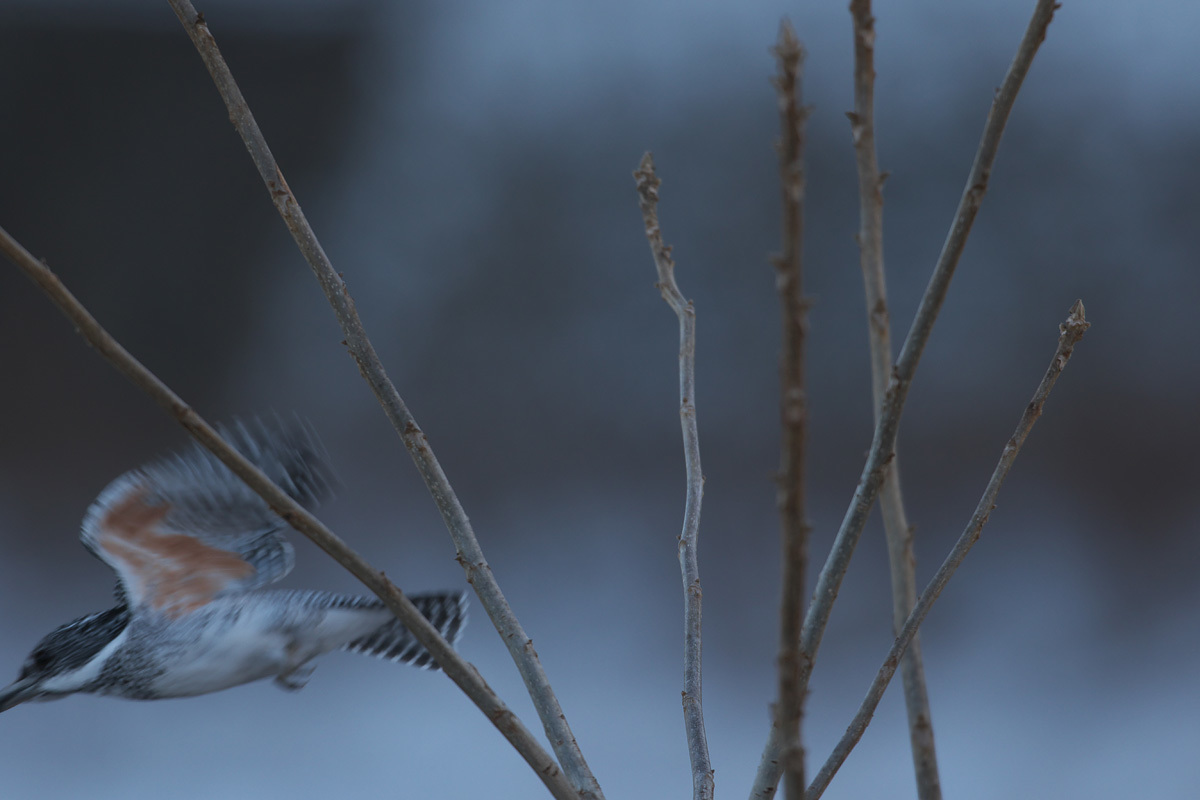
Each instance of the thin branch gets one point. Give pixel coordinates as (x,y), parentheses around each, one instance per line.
(689,567)
(785,745)
(898,532)
(458,670)
(880,455)
(1070,332)
(470,555)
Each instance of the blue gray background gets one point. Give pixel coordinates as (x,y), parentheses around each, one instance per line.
(468,167)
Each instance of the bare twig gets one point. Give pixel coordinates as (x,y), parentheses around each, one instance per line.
(785,744)
(898,532)
(1070,332)
(459,670)
(880,455)
(470,555)
(693,698)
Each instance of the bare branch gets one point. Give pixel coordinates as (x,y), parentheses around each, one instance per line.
(470,555)
(880,455)
(784,745)
(458,670)
(693,697)
(898,532)
(1070,332)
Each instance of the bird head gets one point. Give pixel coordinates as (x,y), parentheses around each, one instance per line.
(67,660)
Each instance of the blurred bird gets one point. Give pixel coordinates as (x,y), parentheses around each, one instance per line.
(193,547)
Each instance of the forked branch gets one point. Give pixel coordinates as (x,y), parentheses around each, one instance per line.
(689,565)
(455,667)
(898,532)
(880,454)
(1070,332)
(470,554)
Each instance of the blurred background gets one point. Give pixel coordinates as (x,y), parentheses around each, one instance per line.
(467,167)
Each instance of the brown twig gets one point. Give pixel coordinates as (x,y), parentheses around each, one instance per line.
(1070,332)
(785,743)
(470,555)
(689,566)
(880,454)
(897,530)
(455,667)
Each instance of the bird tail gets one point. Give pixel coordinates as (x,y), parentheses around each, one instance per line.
(446,611)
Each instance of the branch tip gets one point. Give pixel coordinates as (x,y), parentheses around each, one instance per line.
(645,174)
(1076,321)
(788,48)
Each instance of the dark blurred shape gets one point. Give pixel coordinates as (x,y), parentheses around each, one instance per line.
(122,171)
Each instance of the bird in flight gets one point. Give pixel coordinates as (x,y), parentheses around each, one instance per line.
(194,550)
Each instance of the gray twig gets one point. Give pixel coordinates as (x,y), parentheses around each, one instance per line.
(693,698)
(470,555)
(897,530)
(1070,332)
(455,667)
(785,744)
(880,455)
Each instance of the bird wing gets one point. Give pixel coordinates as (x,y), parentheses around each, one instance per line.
(180,531)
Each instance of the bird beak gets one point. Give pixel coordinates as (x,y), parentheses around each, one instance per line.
(16,693)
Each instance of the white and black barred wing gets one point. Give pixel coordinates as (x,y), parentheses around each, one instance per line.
(447,611)
(180,531)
